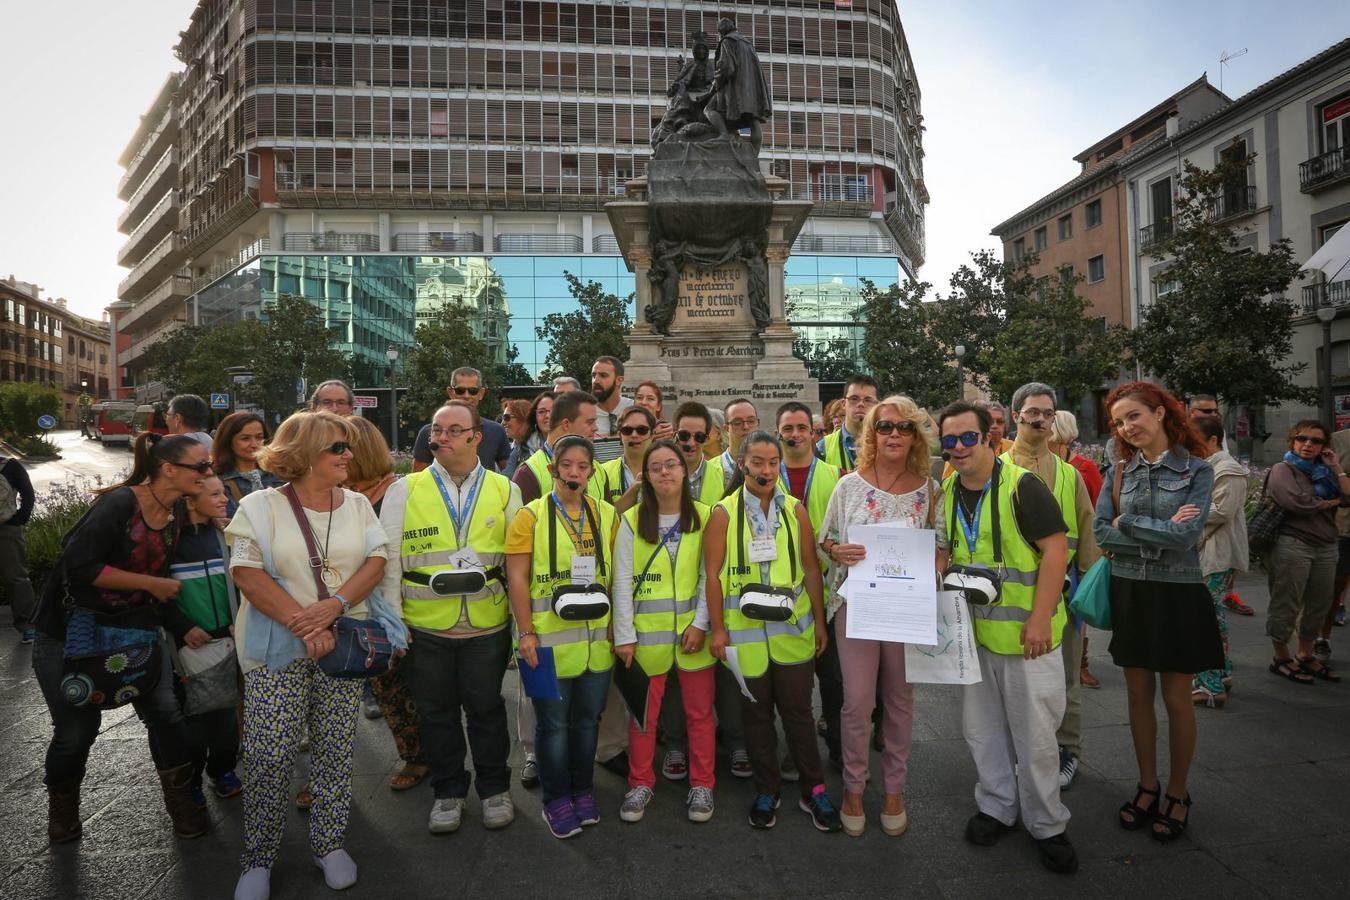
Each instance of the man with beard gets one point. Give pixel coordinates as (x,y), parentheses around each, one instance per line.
(606,381)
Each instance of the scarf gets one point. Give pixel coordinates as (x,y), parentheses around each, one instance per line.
(1325,485)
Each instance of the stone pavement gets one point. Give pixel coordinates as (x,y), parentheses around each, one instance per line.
(1271,786)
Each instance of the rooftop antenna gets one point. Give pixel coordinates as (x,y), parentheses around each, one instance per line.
(1224,57)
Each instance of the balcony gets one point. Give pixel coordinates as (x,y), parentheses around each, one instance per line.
(1335,293)
(160,179)
(330,242)
(228,265)
(1233,203)
(156,144)
(1152,235)
(155,265)
(538,243)
(605,243)
(439,242)
(826,243)
(157,223)
(174,290)
(143,342)
(1330,168)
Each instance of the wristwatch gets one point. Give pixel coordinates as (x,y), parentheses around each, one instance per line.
(346,604)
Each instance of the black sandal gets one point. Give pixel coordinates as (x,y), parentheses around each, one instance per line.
(1287,668)
(1167,828)
(1141,816)
(1313,666)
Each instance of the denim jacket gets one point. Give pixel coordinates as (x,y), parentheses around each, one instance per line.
(1147,545)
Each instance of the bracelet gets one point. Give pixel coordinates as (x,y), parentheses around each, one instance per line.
(346,604)
(525,634)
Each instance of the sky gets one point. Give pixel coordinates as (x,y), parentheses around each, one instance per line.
(1010,92)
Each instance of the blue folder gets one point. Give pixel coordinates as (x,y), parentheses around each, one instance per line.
(540,682)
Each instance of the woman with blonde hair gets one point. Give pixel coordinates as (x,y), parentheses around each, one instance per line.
(371,469)
(890,484)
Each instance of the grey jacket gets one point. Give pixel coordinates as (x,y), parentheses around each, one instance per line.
(1146,545)
(1224,545)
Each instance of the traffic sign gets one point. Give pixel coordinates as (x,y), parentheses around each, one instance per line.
(47,423)
(220,401)
(365,401)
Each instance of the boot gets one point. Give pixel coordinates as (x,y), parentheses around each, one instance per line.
(63,812)
(189,819)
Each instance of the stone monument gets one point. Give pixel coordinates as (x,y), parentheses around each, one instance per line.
(707,234)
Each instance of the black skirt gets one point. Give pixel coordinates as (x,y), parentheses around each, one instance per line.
(1164,626)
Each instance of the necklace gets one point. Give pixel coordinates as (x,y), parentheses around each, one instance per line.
(876,473)
(168,509)
(330,575)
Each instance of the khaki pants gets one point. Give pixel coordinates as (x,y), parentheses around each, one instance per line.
(1070,734)
(1302,578)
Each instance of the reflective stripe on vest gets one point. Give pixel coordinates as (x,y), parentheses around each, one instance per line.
(665,601)
(998,628)
(578,646)
(429,540)
(785,643)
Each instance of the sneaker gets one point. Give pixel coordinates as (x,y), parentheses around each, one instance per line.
(1322,649)
(984,830)
(370,708)
(30,634)
(762,811)
(700,803)
(635,803)
(339,869)
(1068,768)
(227,785)
(586,809)
(1233,603)
(675,767)
(198,796)
(498,811)
(529,773)
(740,765)
(822,812)
(1058,855)
(787,770)
(446,815)
(561,819)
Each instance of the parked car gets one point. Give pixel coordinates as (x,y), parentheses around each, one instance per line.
(114,421)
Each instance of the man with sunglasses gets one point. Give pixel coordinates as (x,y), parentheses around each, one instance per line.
(708,478)
(1033,408)
(1003,519)
(839,447)
(998,426)
(450,523)
(466,386)
(619,479)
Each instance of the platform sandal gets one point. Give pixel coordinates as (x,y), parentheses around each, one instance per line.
(1166,828)
(1139,815)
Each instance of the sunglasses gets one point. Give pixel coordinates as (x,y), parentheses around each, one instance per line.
(630,430)
(337,448)
(967,439)
(887,426)
(697,437)
(507,417)
(201,468)
(1309,439)
(462,391)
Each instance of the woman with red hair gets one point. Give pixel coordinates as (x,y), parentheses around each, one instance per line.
(1150,518)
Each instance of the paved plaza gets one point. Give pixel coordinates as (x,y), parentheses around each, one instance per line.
(1271,817)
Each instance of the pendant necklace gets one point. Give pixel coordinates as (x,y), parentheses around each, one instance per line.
(331,576)
(168,509)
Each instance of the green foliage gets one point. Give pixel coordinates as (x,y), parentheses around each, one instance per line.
(983,297)
(830,360)
(35,449)
(444,343)
(1226,327)
(22,403)
(898,345)
(57,509)
(575,339)
(511,371)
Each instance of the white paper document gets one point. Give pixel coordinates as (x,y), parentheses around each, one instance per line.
(734,664)
(892,593)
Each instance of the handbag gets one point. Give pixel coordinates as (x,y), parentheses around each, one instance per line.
(361,646)
(1264,526)
(105,666)
(952,660)
(1091,600)
(210,676)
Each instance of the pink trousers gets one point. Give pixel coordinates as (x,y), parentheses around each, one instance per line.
(860,661)
(697,690)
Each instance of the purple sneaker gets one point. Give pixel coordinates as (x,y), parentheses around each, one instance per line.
(561,818)
(586,809)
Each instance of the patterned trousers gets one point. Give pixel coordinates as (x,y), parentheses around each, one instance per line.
(400,714)
(1220,584)
(276,707)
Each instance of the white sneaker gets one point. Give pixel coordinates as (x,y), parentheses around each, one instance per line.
(446,815)
(498,811)
(700,803)
(635,804)
(255,884)
(339,869)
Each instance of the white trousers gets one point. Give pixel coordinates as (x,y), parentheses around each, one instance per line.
(1009,721)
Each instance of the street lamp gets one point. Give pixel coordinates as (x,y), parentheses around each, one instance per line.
(392,355)
(1326,315)
(960,376)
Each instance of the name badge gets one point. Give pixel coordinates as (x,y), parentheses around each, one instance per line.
(583,570)
(763,550)
(465,558)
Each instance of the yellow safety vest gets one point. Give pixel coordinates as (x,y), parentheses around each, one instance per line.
(538,462)
(429,542)
(836,454)
(820,484)
(785,643)
(714,482)
(608,482)
(577,646)
(665,597)
(1066,495)
(998,628)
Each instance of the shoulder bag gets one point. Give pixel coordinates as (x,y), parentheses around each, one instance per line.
(1264,526)
(1091,600)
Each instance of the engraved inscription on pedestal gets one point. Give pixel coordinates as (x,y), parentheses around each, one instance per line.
(713,299)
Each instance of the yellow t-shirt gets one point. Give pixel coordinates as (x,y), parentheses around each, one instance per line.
(520,537)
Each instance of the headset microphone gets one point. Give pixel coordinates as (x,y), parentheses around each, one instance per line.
(433,446)
(946,457)
(1038,425)
(572,485)
(791,442)
(761,480)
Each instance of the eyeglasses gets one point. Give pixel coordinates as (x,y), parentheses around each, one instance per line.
(860,401)
(1035,415)
(453,432)
(967,439)
(201,468)
(1205,411)
(337,448)
(671,465)
(1309,439)
(462,391)
(747,422)
(697,437)
(630,430)
(340,403)
(887,426)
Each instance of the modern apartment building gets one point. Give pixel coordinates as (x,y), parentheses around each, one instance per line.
(379,158)
(1296,129)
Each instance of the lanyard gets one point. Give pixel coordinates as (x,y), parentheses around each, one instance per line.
(845,454)
(665,538)
(743,516)
(972,529)
(578,529)
(460,525)
(810,473)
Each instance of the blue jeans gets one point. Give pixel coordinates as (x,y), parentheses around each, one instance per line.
(74,728)
(566,732)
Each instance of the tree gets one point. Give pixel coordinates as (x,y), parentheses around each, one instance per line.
(444,343)
(1052,338)
(511,371)
(827,360)
(294,343)
(1225,326)
(22,403)
(899,347)
(973,315)
(599,328)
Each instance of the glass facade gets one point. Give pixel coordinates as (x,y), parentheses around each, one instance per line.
(370,302)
